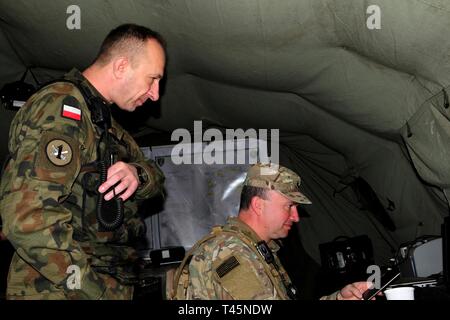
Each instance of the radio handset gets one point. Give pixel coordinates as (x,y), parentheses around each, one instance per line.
(110,214)
(267,254)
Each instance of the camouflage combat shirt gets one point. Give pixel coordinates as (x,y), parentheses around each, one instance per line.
(225,268)
(47,201)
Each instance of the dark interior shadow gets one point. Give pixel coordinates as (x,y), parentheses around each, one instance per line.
(302,269)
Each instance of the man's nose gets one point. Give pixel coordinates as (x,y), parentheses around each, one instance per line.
(294,214)
(153,93)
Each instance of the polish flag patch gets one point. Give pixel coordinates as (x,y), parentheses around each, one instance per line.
(71,112)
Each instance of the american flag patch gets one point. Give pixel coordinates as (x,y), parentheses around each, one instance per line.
(227,266)
(71,112)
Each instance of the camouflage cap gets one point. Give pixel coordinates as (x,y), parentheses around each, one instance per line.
(278,178)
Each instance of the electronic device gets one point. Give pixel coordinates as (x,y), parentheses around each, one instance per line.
(415,282)
(167,255)
(422,259)
(386,279)
(265,252)
(14,95)
(346,255)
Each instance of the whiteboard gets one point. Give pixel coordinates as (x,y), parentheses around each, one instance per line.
(198,196)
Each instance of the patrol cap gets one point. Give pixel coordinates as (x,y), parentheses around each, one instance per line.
(278,178)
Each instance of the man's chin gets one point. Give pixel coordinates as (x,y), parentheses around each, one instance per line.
(135,106)
(282,233)
(129,108)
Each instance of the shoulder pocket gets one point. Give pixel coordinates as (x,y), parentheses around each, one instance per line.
(238,278)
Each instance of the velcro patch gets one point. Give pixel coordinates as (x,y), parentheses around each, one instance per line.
(71,108)
(239,279)
(227,266)
(58,158)
(59,152)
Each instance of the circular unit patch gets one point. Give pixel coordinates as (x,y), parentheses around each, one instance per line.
(59,152)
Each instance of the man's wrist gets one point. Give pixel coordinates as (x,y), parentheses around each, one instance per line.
(142,175)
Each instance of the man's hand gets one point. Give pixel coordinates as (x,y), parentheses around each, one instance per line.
(354,291)
(124,173)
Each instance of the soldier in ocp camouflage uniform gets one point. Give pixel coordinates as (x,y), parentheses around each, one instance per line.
(50,187)
(239,260)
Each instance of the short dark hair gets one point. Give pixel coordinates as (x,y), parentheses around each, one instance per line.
(126,39)
(248,193)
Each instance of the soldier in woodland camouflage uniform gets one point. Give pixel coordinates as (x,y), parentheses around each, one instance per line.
(50,186)
(239,260)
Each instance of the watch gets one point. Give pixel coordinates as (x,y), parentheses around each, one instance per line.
(142,175)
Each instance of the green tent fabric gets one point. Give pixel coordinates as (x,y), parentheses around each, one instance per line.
(430,126)
(345,97)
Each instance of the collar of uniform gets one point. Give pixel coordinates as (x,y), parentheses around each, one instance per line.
(76,74)
(234,222)
(116,129)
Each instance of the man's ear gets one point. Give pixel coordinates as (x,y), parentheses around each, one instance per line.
(120,67)
(257,205)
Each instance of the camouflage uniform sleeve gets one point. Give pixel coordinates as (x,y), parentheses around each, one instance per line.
(227,269)
(45,149)
(155,177)
(332,296)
